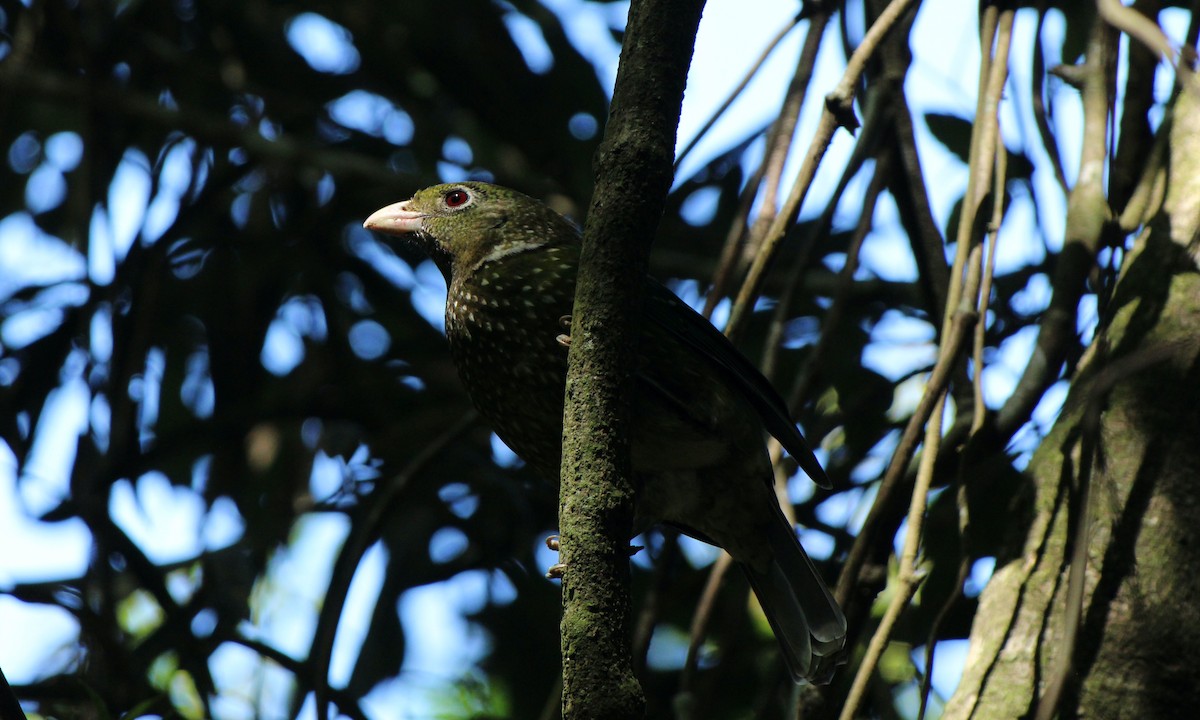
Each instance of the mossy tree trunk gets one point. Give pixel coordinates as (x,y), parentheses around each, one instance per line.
(633,175)
(1117,500)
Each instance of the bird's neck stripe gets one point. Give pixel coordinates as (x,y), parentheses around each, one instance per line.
(507,249)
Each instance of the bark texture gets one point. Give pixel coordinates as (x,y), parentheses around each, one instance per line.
(633,170)
(1133,414)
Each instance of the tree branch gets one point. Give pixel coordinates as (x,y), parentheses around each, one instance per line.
(1087,213)
(633,173)
(838,112)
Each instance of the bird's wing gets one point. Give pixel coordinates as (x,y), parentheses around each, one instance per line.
(667,313)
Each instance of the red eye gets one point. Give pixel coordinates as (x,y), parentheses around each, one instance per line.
(457,198)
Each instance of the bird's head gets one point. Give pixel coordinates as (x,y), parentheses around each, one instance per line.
(461,225)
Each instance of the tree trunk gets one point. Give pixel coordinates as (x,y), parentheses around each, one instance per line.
(633,175)
(1120,475)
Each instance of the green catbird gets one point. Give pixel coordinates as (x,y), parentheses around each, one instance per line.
(699,455)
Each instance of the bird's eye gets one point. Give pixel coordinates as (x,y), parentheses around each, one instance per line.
(456,198)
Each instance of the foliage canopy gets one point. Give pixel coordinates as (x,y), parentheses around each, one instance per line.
(191,313)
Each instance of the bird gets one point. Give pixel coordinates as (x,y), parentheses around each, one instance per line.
(697,441)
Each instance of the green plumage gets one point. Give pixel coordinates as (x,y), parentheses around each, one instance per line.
(700,408)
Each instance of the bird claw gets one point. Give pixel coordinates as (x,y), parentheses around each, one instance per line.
(552,543)
(564,339)
(555,572)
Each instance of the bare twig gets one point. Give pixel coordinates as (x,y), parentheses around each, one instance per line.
(993,73)
(864,149)
(909,187)
(1138,27)
(779,141)
(1042,114)
(737,91)
(347,705)
(1135,137)
(704,608)
(984,139)
(985,289)
(938,379)
(734,241)
(908,578)
(1087,212)
(767,176)
(803,383)
(960,315)
(356,545)
(1148,194)
(838,111)
(977,420)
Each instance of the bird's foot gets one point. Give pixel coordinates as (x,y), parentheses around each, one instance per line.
(555,572)
(564,339)
(552,543)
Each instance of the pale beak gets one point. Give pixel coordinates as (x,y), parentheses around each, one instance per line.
(395,219)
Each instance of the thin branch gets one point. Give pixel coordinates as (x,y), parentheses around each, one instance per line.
(977,422)
(767,176)
(360,538)
(737,91)
(938,380)
(783,130)
(1135,137)
(909,188)
(984,140)
(965,280)
(700,618)
(206,127)
(908,579)
(1147,197)
(993,73)
(1139,27)
(10,706)
(985,290)
(346,704)
(734,242)
(864,149)
(1042,114)
(838,112)
(1087,213)
(802,386)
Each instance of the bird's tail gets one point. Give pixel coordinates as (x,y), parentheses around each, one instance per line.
(807,621)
